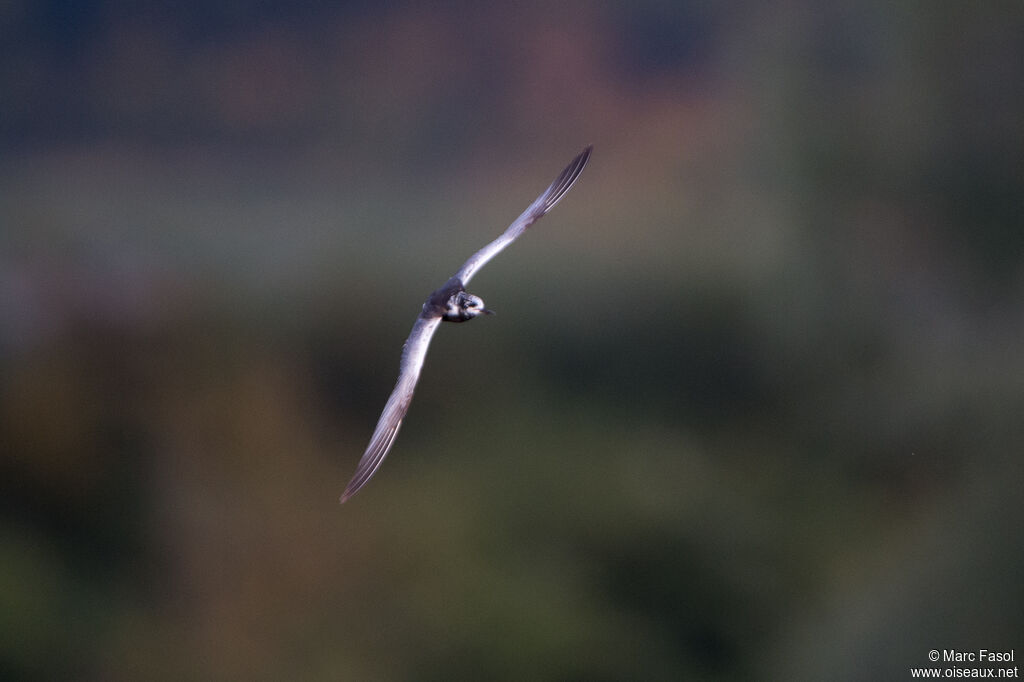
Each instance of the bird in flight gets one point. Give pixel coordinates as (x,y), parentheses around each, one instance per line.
(450,303)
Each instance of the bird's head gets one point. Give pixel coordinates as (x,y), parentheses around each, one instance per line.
(464,306)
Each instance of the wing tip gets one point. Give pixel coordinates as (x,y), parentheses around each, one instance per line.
(352,488)
(361,477)
(581,159)
(564,182)
(355,485)
(374,456)
(576,166)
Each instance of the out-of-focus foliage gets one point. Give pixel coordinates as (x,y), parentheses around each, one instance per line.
(750,408)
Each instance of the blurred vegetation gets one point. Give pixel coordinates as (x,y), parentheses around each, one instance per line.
(750,407)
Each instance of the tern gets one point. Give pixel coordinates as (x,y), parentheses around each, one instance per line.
(450,303)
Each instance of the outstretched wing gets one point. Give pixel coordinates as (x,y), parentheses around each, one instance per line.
(541,205)
(413,353)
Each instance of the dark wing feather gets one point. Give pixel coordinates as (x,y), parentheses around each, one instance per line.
(413,354)
(537,210)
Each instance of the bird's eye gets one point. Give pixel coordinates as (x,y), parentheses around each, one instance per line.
(471,303)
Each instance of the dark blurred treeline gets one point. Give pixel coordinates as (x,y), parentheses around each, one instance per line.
(750,407)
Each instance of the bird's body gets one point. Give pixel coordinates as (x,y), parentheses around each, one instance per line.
(449,303)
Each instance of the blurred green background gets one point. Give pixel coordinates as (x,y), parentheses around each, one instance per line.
(751,407)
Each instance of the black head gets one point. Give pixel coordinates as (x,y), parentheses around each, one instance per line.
(464,306)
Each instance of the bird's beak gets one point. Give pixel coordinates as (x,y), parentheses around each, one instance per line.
(485,311)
